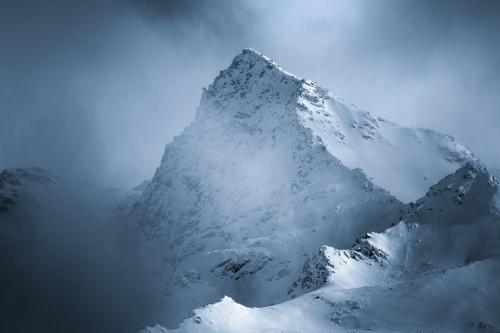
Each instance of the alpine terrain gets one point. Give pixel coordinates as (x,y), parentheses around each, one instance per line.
(282,209)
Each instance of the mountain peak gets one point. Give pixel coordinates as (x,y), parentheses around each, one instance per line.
(249,60)
(251,79)
(249,66)
(255,96)
(251,57)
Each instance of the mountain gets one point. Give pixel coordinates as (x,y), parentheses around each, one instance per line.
(278,209)
(434,271)
(12,181)
(272,168)
(454,224)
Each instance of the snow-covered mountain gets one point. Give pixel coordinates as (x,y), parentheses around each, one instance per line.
(435,271)
(278,209)
(274,168)
(455,224)
(247,95)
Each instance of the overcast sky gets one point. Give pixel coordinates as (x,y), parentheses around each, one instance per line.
(95,89)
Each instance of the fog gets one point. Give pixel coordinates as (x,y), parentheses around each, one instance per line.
(95,90)
(73,260)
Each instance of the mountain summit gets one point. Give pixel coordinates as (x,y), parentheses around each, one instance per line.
(272,168)
(256,93)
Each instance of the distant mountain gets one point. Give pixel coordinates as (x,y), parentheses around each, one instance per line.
(13,180)
(272,168)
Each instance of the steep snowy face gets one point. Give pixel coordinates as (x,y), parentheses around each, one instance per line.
(455,224)
(444,251)
(459,198)
(247,190)
(404,161)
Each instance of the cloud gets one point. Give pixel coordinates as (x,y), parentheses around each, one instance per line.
(423,63)
(96,90)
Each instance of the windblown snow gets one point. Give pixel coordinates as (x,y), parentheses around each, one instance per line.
(260,200)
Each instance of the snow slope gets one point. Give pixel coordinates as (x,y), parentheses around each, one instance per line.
(272,168)
(432,273)
(464,299)
(405,161)
(456,223)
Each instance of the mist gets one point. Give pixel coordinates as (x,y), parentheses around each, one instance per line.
(93,91)
(73,260)
(96,90)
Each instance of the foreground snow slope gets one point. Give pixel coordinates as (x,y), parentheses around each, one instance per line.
(421,275)
(264,176)
(464,299)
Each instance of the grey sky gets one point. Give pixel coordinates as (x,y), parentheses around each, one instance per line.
(96,89)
